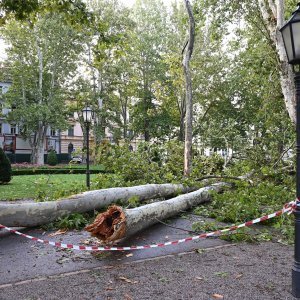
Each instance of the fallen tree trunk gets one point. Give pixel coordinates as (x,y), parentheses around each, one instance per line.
(30,214)
(118,223)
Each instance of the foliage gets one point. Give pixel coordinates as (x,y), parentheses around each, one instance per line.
(52,158)
(247,202)
(151,163)
(72,221)
(5,168)
(74,11)
(133,201)
(105,181)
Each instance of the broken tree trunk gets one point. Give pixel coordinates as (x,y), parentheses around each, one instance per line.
(118,223)
(30,214)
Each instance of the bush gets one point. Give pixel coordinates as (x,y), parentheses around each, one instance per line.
(52,158)
(154,163)
(5,168)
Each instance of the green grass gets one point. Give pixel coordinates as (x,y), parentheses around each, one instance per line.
(43,187)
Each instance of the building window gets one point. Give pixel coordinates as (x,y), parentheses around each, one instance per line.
(71,131)
(53,132)
(12,129)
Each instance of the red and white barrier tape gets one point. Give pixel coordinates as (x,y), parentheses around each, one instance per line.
(288,208)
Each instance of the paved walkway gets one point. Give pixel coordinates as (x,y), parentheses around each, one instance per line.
(206,269)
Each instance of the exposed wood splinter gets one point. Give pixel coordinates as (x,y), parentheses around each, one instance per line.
(109,226)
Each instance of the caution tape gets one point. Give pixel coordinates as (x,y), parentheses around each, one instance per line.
(288,208)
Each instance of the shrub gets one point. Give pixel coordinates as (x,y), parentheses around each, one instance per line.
(37,171)
(52,158)
(5,168)
(154,163)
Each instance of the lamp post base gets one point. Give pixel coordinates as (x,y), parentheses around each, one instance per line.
(296,280)
(296,266)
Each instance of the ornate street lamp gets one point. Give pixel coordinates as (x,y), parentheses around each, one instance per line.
(87,114)
(291,37)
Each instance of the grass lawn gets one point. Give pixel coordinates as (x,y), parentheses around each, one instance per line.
(49,187)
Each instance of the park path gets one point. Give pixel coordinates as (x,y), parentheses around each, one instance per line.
(204,269)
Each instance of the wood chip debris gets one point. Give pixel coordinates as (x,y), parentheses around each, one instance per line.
(127,280)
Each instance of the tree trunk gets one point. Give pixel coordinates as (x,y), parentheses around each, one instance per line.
(181,106)
(273,16)
(118,223)
(188,84)
(39,136)
(30,214)
(37,146)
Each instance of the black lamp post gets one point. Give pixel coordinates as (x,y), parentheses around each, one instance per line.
(87,118)
(291,37)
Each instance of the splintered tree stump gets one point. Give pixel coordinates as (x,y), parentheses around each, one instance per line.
(118,223)
(110,225)
(30,214)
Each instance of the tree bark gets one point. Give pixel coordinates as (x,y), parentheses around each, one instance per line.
(30,214)
(273,16)
(188,85)
(117,223)
(39,136)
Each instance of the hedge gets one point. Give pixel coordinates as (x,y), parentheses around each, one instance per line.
(21,158)
(37,171)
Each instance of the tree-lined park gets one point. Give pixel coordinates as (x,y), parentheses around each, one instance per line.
(208,88)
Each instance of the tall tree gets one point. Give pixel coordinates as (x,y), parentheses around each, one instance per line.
(42,58)
(188,51)
(150,17)
(108,66)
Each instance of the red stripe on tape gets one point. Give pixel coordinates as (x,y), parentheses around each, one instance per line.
(233,228)
(264,218)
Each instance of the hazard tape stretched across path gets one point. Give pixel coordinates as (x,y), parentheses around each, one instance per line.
(288,208)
